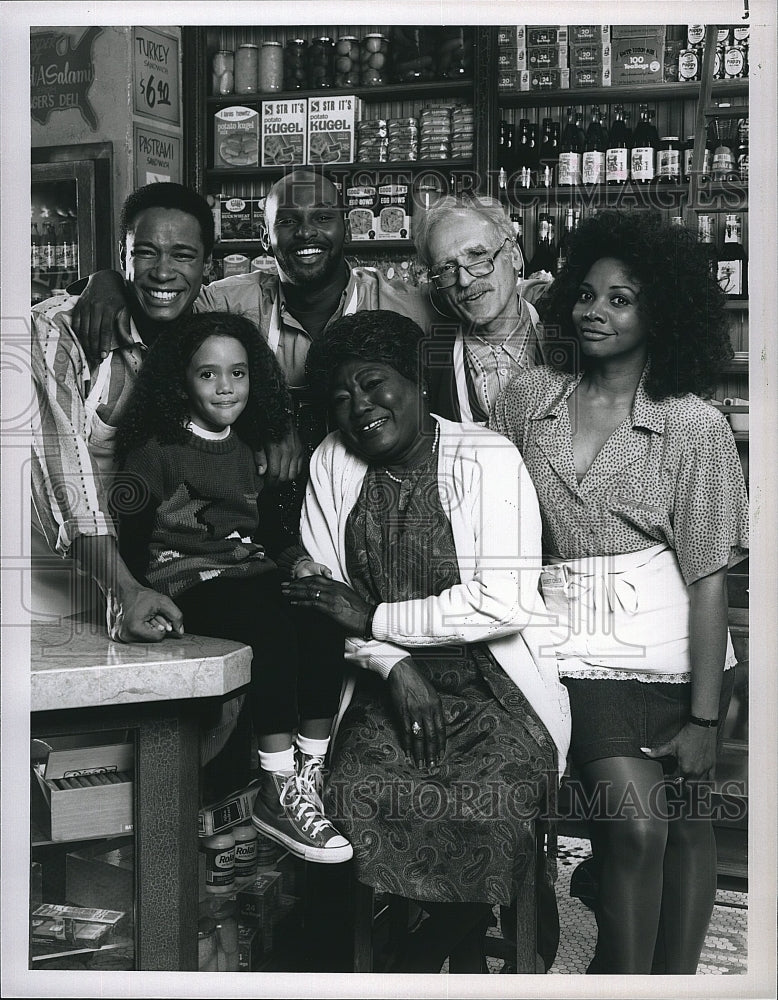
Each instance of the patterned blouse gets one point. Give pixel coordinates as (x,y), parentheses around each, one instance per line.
(670,473)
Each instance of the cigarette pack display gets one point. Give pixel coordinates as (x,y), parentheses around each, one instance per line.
(638,59)
(84,792)
(332,128)
(579,33)
(284,128)
(547,34)
(232,810)
(546,57)
(236,137)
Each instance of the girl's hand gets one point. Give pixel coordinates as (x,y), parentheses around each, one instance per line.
(307,567)
(695,750)
(335,599)
(416,701)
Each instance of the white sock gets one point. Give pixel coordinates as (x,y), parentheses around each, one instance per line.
(280,760)
(314,748)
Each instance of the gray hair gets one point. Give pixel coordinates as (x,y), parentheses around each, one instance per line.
(425,221)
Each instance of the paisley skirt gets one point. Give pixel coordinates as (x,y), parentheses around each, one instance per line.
(458,832)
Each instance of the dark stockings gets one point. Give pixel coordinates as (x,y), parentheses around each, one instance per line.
(657,875)
(452,930)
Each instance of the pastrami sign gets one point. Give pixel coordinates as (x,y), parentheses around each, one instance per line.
(61,73)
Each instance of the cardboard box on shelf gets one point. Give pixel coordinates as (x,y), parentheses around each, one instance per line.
(236,137)
(547,34)
(508,81)
(233,809)
(594,54)
(85,927)
(511,59)
(637,31)
(332,128)
(284,128)
(249,946)
(581,33)
(260,902)
(241,219)
(638,59)
(84,792)
(590,76)
(512,35)
(546,57)
(545,79)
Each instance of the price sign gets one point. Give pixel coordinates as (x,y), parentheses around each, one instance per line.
(156,92)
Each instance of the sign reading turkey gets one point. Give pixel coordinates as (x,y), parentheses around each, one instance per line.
(61,73)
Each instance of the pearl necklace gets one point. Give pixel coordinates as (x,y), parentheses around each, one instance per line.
(404,482)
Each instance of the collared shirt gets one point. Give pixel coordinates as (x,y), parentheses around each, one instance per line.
(259,296)
(669,473)
(74,428)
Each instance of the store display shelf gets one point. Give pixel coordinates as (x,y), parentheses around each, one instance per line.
(428,90)
(254,247)
(737,305)
(620,95)
(405,166)
(627,195)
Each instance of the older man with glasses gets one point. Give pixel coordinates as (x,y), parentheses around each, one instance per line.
(493,330)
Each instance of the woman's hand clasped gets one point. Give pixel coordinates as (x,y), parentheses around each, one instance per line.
(337,600)
(419,712)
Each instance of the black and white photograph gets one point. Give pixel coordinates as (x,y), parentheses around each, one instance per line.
(379,373)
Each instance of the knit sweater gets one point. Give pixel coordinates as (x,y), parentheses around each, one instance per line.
(188,513)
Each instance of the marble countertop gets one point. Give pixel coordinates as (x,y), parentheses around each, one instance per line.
(75,665)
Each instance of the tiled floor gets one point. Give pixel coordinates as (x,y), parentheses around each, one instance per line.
(724,954)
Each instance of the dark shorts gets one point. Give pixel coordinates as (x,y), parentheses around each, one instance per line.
(617,718)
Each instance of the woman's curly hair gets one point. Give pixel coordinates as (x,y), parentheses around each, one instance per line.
(159,405)
(376,335)
(688,337)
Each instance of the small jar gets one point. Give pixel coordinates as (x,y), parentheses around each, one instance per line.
(374,60)
(207,959)
(320,64)
(222,78)
(247,69)
(219,858)
(271,68)
(688,65)
(456,53)
(294,64)
(245,852)
(347,61)
(413,56)
(668,159)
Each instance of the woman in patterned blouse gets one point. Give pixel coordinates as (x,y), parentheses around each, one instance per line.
(644,506)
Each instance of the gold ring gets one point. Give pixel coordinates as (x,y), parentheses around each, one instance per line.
(416,729)
(317,595)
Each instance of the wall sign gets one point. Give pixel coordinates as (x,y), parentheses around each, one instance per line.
(61,74)
(157,156)
(155,75)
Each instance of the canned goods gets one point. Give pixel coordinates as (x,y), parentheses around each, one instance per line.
(347,61)
(222,78)
(247,69)
(320,63)
(374,60)
(294,63)
(271,68)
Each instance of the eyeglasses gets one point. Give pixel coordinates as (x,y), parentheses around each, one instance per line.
(448,275)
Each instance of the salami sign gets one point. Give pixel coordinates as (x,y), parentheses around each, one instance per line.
(61,73)
(155,75)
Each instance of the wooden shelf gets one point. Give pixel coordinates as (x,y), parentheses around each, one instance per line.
(254,247)
(391,166)
(621,95)
(631,194)
(429,90)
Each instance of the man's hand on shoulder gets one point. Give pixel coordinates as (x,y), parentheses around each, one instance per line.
(282,461)
(101,316)
(143,615)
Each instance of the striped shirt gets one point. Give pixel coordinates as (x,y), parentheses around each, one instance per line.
(78,408)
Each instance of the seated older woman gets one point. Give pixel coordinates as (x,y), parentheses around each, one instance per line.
(432,533)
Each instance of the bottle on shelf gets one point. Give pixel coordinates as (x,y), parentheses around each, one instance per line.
(36,255)
(742,150)
(548,154)
(544,258)
(60,252)
(732,271)
(668,159)
(532,157)
(595,144)
(705,237)
(724,164)
(734,61)
(617,153)
(642,164)
(70,245)
(523,158)
(505,145)
(49,247)
(723,40)
(572,218)
(571,145)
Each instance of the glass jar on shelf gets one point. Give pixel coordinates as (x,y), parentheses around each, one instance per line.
(294,64)
(374,60)
(222,75)
(413,53)
(455,54)
(347,61)
(320,63)
(271,68)
(246,68)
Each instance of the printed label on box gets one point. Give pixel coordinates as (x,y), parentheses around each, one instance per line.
(236,137)
(637,59)
(547,57)
(332,128)
(284,125)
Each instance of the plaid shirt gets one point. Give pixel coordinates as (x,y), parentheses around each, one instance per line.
(74,426)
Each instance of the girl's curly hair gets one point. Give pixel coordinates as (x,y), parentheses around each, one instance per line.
(159,406)
(688,337)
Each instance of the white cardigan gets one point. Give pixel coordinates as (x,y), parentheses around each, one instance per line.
(490,501)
